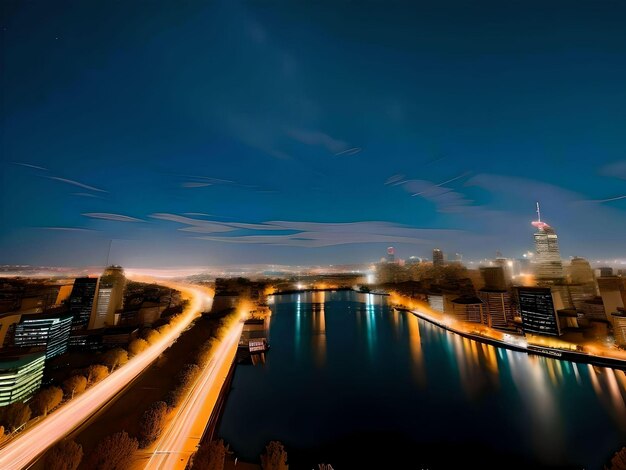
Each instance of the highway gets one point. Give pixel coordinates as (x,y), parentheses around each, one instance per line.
(28,445)
(182,435)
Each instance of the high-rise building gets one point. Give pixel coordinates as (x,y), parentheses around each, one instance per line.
(498,307)
(548,261)
(494,278)
(20,374)
(619,327)
(47,330)
(613,293)
(391,255)
(110,299)
(468,309)
(537,310)
(580,271)
(438,260)
(605,271)
(82,301)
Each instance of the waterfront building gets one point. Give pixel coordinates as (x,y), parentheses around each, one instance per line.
(580,271)
(50,331)
(548,257)
(20,374)
(613,293)
(498,307)
(82,301)
(494,278)
(438,259)
(537,310)
(619,327)
(468,309)
(593,309)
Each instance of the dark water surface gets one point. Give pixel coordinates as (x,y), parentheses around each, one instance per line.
(350,382)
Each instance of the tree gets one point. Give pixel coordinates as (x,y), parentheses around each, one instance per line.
(95,373)
(45,400)
(210,456)
(74,385)
(137,346)
(65,455)
(115,452)
(618,462)
(275,457)
(14,415)
(115,357)
(151,336)
(151,423)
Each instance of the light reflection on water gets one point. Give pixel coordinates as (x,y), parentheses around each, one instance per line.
(354,345)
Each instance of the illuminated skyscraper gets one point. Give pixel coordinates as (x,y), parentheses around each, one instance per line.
(46,330)
(548,260)
(537,310)
(82,301)
(110,298)
(437,257)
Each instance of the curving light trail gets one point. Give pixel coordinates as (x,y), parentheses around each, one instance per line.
(27,446)
(183,433)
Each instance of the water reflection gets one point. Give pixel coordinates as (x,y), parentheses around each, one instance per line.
(318,333)
(403,370)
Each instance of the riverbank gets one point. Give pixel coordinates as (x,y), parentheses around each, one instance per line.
(573,356)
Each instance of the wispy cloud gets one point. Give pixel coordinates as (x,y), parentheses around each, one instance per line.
(113,217)
(317,138)
(305,234)
(446,199)
(615,169)
(349,152)
(76,183)
(616,198)
(87,195)
(67,229)
(195,184)
(29,165)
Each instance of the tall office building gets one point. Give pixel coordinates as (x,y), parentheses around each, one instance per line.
(613,293)
(580,271)
(497,307)
(110,298)
(48,330)
(494,277)
(619,327)
(537,310)
(548,260)
(82,301)
(605,271)
(391,255)
(438,257)
(468,308)
(20,375)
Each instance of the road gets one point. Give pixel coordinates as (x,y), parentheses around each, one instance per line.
(184,431)
(28,445)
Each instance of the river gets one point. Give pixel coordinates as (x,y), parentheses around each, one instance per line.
(351,382)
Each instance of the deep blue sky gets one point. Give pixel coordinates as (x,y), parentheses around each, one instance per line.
(194,127)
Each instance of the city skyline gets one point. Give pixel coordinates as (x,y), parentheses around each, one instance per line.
(309,138)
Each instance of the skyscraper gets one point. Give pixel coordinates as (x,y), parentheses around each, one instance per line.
(48,330)
(549,264)
(110,298)
(82,301)
(437,257)
(537,311)
(391,255)
(580,271)
(494,278)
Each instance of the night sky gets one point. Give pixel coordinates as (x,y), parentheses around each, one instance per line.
(204,133)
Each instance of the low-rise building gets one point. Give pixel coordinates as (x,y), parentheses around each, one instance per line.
(21,373)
